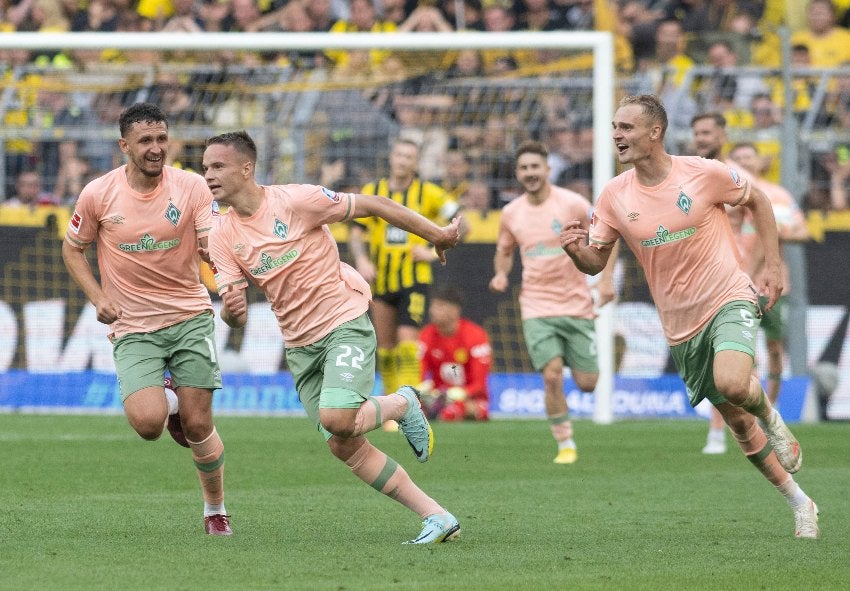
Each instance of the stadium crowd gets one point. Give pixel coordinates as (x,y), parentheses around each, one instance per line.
(657,42)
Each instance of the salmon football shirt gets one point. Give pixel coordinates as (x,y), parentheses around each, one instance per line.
(788,217)
(287,250)
(147,246)
(680,234)
(551,284)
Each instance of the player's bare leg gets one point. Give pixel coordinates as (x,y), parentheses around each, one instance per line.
(755,446)
(557,412)
(734,379)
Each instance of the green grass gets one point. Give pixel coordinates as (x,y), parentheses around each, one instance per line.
(86,505)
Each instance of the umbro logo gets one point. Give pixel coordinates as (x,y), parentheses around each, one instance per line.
(633,216)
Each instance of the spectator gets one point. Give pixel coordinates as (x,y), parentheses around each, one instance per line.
(28,192)
(455,178)
(575,15)
(468,19)
(425,19)
(19,152)
(637,23)
(837,165)
(320,15)
(476,198)
(100,15)
(396,11)
(454,354)
(666,71)
(829,44)
(578,174)
(539,15)
(499,17)
(73,173)
(364,18)
(185,19)
(765,134)
(727,89)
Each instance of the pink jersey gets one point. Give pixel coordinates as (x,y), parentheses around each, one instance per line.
(147,246)
(551,283)
(287,250)
(680,234)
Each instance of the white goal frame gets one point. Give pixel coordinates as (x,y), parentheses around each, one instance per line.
(601,44)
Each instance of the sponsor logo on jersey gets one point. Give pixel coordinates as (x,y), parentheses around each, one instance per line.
(332,195)
(172,214)
(684,202)
(664,236)
(76,222)
(148,243)
(280,229)
(267,262)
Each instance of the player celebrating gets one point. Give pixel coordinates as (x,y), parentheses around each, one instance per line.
(455,357)
(555,301)
(150,222)
(669,210)
(278,237)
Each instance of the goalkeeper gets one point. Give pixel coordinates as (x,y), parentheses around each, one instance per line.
(455,360)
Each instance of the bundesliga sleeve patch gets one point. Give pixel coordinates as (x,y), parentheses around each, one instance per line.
(736,178)
(332,195)
(76,222)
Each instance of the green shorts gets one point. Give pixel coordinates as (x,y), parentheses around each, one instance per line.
(774,320)
(338,371)
(733,328)
(186,349)
(573,339)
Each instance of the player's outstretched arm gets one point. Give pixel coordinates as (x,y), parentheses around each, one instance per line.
(443,238)
(588,259)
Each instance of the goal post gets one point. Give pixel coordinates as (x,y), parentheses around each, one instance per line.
(599,44)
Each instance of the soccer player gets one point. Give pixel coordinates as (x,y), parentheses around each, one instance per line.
(151,222)
(791,227)
(278,237)
(669,210)
(709,135)
(556,303)
(708,132)
(455,360)
(398,264)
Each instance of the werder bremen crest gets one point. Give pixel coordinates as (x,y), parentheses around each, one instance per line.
(684,202)
(172,214)
(280,229)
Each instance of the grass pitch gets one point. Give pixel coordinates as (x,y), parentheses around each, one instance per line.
(86,505)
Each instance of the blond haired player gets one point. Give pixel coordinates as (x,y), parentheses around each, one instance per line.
(670,211)
(151,222)
(278,238)
(555,302)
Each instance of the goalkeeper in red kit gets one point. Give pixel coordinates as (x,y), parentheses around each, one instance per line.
(454,353)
